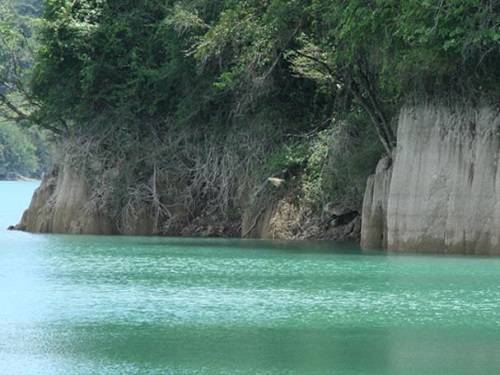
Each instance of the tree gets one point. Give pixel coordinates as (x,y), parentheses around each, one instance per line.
(17,51)
(17,152)
(373,54)
(203,61)
(15,57)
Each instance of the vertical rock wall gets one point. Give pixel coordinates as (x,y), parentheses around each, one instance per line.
(374,215)
(60,205)
(443,192)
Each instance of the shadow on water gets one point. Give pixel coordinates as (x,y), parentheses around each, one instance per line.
(298,247)
(280,350)
(253,244)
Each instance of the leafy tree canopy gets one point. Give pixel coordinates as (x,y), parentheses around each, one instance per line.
(17,152)
(210,61)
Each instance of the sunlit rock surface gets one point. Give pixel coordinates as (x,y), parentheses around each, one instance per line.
(442,193)
(61,205)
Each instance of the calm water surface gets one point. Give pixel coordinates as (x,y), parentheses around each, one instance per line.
(109,305)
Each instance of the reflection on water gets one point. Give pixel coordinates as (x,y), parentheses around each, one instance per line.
(115,305)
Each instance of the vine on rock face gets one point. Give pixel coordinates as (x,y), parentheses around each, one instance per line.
(186,175)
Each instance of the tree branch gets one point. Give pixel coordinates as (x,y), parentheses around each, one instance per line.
(371,107)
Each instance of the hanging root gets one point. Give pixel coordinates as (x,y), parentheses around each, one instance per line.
(170,177)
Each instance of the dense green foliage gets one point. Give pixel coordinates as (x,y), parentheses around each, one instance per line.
(131,60)
(22,152)
(17,45)
(199,61)
(317,83)
(17,154)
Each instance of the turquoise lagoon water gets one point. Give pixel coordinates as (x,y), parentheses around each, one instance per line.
(135,305)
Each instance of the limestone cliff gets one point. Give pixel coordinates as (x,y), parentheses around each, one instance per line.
(276,214)
(63,204)
(59,205)
(442,193)
(374,215)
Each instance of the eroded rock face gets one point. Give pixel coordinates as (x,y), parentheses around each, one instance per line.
(374,214)
(63,204)
(442,193)
(60,205)
(283,218)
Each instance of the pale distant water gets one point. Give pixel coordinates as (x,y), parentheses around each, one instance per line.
(110,305)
